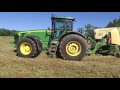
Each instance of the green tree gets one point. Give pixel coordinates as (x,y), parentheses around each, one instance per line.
(89,31)
(12,32)
(81,30)
(6,32)
(114,23)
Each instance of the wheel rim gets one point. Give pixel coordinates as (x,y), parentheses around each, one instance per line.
(25,48)
(73,48)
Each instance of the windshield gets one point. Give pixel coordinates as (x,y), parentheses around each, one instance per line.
(62,25)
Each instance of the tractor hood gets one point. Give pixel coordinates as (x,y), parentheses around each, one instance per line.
(30,31)
(40,33)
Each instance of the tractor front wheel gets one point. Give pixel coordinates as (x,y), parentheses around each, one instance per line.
(26,48)
(72,47)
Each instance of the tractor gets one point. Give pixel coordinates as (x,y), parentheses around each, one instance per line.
(60,40)
(107,42)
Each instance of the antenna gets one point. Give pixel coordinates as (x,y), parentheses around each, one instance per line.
(53,14)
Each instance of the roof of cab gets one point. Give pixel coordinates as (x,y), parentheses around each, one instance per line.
(58,17)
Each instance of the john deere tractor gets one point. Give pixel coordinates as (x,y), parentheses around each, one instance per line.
(60,41)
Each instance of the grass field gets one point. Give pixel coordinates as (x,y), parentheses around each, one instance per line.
(12,66)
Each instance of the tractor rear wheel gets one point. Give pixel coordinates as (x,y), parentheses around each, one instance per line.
(72,47)
(26,48)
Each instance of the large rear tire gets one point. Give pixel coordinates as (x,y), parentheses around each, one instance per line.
(72,47)
(26,48)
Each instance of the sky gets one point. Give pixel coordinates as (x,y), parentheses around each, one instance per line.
(42,20)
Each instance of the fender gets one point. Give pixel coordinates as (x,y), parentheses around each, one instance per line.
(37,41)
(71,33)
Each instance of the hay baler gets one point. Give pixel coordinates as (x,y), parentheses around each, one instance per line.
(107,42)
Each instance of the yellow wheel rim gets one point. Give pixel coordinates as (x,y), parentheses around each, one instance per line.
(25,48)
(73,48)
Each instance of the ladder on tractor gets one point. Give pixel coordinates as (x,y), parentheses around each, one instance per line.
(52,48)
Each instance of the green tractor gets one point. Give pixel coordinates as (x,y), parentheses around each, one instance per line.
(60,41)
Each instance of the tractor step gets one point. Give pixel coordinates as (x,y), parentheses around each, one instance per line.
(52,48)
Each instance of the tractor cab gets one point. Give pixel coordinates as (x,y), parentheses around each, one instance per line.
(61,25)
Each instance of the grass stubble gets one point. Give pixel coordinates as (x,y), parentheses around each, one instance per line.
(94,66)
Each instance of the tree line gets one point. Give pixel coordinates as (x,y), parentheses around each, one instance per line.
(6,32)
(88,30)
